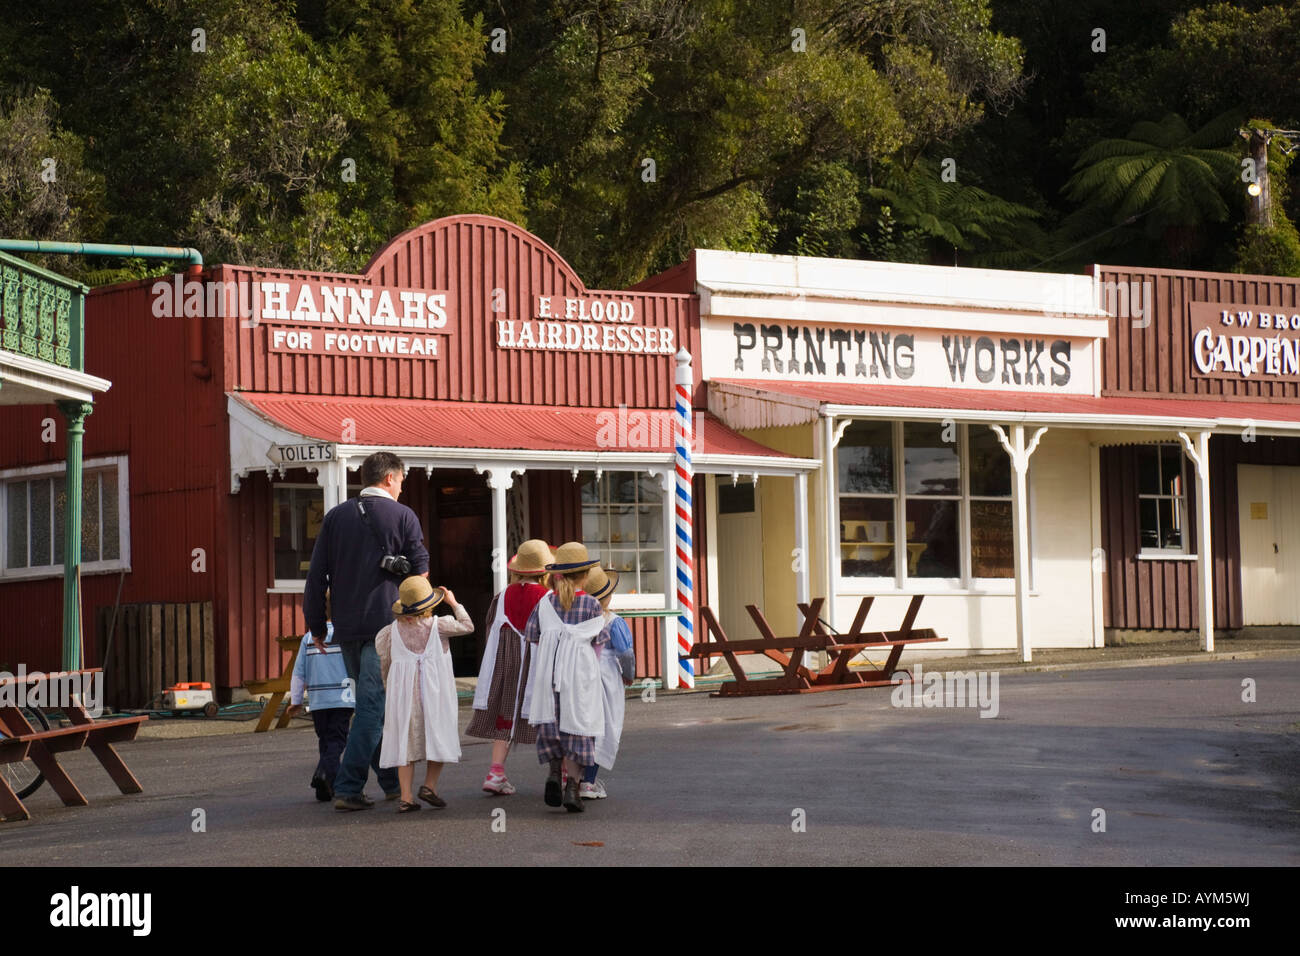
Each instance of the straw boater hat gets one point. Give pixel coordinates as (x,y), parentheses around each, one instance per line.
(417,595)
(601,583)
(532,558)
(571,557)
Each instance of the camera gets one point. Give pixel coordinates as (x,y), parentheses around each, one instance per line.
(398,564)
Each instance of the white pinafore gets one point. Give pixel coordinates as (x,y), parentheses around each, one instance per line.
(615,694)
(566,664)
(429,675)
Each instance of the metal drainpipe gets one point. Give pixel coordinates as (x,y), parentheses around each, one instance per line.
(192,257)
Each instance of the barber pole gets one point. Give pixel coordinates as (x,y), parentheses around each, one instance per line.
(685,569)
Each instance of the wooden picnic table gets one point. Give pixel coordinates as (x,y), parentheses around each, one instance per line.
(795,677)
(22,741)
(277,687)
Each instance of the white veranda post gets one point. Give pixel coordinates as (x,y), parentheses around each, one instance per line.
(1020,454)
(500,480)
(1199,453)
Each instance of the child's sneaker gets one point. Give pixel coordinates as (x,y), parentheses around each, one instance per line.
(496,783)
(588,791)
(595,790)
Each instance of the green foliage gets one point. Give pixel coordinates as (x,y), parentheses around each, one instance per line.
(1271,252)
(33,144)
(955,214)
(1164,173)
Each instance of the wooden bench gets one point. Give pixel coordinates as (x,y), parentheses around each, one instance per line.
(795,677)
(22,741)
(277,687)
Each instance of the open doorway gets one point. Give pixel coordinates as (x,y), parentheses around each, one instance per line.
(460,553)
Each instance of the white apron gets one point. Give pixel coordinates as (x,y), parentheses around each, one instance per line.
(611,684)
(429,675)
(484,689)
(566,663)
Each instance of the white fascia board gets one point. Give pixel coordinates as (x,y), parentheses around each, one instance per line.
(845,310)
(753,465)
(862,280)
(44,376)
(1065,419)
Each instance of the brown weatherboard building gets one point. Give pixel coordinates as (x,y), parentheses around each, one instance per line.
(1220,346)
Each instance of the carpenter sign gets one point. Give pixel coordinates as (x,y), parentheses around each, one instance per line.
(897,356)
(1230,342)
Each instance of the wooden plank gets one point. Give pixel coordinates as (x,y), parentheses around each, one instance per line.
(155,651)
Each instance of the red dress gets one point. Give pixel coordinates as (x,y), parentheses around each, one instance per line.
(510,672)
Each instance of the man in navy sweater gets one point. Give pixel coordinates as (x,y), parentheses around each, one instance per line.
(353,539)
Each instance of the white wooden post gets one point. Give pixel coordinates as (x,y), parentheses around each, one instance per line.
(1020,455)
(801,586)
(500,480)
(1199,453)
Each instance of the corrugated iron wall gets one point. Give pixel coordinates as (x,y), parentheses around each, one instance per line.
(1149,348)
(173,427)
(470,257)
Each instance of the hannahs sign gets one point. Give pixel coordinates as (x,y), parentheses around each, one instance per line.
(1235,343)
(894,356)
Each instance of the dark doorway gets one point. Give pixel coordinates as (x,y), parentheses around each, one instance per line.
(460,553)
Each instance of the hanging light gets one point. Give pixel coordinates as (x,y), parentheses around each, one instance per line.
(1254,189)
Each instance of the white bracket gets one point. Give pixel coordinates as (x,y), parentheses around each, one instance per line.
(840,429)
(1019,462)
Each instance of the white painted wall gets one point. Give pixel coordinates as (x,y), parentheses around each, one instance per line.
(1061,603)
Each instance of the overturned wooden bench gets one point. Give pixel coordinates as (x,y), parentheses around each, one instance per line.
(20,740)
(815,635)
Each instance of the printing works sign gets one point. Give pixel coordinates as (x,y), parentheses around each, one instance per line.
(585,324)
(1229,342)
(896,356)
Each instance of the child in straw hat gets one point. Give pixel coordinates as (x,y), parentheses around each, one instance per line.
(617,670)
(564,702)
(503,675)
(420,713)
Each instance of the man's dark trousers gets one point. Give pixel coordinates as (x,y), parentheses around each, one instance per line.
(367,733)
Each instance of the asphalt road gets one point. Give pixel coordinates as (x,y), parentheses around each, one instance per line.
(1185,771)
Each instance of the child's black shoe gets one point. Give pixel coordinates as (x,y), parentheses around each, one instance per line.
(323,789)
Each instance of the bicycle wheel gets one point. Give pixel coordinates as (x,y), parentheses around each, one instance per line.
(23,778)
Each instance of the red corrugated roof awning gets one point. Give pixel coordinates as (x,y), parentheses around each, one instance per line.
(475,425)
(1121,409)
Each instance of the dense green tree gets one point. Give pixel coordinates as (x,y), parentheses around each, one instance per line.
(1164,173)
(46,190)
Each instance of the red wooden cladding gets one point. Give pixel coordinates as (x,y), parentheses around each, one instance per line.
(1162,594)
(470,257)
(171,426)
(1155,356)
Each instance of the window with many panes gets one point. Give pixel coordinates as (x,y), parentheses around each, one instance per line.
(32,506)
(297,511)
(948,488)
(622,523)
(1162,499)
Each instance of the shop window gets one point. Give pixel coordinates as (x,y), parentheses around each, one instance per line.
(296,515)
(947,487)
(622,523)
(32,506)
(1162,499)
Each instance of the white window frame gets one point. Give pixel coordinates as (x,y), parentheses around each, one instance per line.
(54,470)
(642,600)
(1186,551)
(299,585)
(901,582)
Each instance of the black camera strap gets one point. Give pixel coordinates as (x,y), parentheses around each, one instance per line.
(365,518)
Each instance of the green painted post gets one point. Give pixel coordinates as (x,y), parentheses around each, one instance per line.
(75,413)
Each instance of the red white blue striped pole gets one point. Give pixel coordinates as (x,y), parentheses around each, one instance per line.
(684,522)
